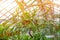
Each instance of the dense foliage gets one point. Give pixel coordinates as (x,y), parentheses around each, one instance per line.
(30,25)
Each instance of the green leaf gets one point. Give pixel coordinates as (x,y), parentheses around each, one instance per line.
(26,15)
(1,27)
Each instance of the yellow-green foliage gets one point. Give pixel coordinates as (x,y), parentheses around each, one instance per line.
(40,25)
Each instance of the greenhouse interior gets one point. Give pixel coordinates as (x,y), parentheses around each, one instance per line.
(29,19)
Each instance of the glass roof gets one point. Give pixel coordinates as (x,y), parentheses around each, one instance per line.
(7,7)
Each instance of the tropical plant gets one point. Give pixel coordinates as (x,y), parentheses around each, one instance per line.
(31,25)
